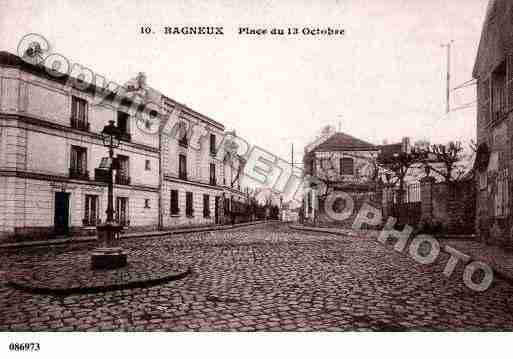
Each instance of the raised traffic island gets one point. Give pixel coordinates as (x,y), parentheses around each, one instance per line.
(72,273)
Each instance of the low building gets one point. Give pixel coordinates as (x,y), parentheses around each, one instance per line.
(338,163)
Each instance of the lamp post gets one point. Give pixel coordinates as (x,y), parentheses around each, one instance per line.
(111,140)
(108,257)
(314,188)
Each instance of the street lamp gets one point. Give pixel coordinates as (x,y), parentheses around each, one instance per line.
(111,136)
(109,257)
(111,139)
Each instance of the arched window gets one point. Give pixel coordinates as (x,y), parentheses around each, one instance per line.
(346,166)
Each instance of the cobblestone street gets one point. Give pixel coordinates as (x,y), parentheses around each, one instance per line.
(266,278)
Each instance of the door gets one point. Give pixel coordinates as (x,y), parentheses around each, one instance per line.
(122,210)
(61,217)
(216,210)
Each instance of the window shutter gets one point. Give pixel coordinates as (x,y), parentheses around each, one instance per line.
(485,101)
(509,82)
(346,166)
(74,107)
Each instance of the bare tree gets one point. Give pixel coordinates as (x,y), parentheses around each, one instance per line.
(396,167)
(450,158)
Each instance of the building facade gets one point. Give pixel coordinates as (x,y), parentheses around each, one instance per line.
(201,183)
(51,148)
(338,163)
(493,71)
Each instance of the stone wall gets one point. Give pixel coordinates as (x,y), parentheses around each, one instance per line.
(449,205)
(343,215)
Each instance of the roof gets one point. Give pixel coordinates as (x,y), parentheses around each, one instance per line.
(192,112)
(340,141)
(391,149)
(496,37)
(8,59)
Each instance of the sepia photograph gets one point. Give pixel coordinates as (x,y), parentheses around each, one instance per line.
(256,178)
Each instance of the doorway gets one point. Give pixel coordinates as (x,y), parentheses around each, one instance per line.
(216,210)
(61,215)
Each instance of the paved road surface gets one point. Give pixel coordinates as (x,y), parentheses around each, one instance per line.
(269,278)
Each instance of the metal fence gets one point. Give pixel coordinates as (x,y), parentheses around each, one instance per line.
(411,194)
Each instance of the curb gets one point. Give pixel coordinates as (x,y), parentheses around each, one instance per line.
(99,289)
(322,230)
(88,239)
(498,273)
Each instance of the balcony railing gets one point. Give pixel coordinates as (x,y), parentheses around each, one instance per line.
(78,173)
(91,222)
(101,175)
(122,179)
(80,124)
(125,222)
(125,136)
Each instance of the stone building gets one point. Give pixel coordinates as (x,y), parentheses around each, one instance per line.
(201,181)
(493,71)
(338,163)
(50,148)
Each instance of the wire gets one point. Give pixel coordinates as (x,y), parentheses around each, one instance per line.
(463,107)
(468,83)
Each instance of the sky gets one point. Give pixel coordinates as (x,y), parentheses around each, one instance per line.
(383,80)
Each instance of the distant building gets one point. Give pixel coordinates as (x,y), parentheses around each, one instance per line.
(338,163)
(493,71)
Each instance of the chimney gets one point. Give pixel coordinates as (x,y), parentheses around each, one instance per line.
(406,145)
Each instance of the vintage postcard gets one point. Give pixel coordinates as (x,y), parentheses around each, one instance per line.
(254,166)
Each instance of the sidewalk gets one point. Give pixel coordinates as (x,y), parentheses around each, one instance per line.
(342,231)
(500,260)
(84,239)
(496,257)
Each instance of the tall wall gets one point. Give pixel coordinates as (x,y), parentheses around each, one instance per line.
(449,206)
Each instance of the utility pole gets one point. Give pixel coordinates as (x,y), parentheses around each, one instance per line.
(292,156)
(448,78)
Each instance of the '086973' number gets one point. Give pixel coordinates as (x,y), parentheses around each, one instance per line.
(24,347)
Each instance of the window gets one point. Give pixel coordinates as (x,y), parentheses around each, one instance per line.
(147,166)
(123,125)
(79,114)
(213,180)
(189,211)
(182,166)
(182,135)
(501,198)
(346,166)
(499,93)
(123,170)
(122,211)
(212,144)
(90,210)
(174,210)
(146,203)
(78,163)
(483,93)
(206,206)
